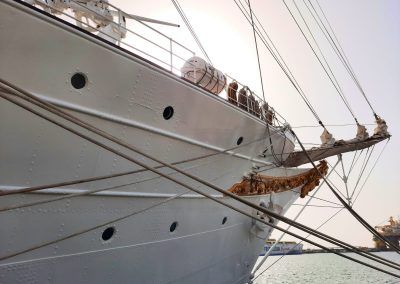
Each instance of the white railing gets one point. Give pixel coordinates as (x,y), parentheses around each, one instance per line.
(166,53)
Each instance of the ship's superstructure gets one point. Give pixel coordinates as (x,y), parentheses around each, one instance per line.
(390,231)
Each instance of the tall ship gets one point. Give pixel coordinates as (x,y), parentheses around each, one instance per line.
(118,164)
(391,231)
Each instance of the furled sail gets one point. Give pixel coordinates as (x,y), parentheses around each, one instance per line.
(299,158)
(331,147)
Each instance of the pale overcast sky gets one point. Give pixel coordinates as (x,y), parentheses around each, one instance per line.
(369,32)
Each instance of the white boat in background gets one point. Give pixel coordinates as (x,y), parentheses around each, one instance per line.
(127,224)
(282,248)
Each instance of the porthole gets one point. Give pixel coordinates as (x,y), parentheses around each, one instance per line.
(224,220)
(173,226)
(239,141)
(108,233)
(78,80)
(168,112)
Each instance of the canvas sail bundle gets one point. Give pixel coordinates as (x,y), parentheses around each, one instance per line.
(299,158)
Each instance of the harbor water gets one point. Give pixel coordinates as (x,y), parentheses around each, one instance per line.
(324,268)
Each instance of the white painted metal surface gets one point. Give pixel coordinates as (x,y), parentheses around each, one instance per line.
(125,96)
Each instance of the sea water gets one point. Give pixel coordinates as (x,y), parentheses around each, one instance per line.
(325,268)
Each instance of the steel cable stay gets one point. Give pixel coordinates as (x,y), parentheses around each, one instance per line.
(345,180)
(347,206)
(356,161)
(343,55)
(262,84)
(337,189)
(331,76)
(190,28)
(256,45)
(363,169)
(335,171)
(332,43)
(321,199)
(285,70)
(353,161)
(331,125)
(319,206)
(325,60)
(333,39)
(237,198)
(369,173)
(277,56)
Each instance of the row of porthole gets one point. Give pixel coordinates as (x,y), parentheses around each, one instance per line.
(109,232)
(79,81)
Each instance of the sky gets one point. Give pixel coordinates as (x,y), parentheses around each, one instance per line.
(369,32)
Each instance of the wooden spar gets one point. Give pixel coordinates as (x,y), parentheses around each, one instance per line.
(299,158)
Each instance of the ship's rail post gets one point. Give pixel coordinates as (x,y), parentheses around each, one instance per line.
(171,52)
(119,26)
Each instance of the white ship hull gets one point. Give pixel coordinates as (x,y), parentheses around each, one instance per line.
(126,97)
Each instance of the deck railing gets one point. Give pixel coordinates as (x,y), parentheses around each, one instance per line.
(166,53)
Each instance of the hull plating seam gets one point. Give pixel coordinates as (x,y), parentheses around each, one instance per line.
(142,126)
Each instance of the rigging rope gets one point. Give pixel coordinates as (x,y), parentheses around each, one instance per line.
(354,164)
(330,40)
(331,78)
(282,64)
(48,107)
(321,199)
(262,85)
(343,54)
(190,28)
(319,206)
(363,167)
(366,179)
(330,125)
(256,45)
